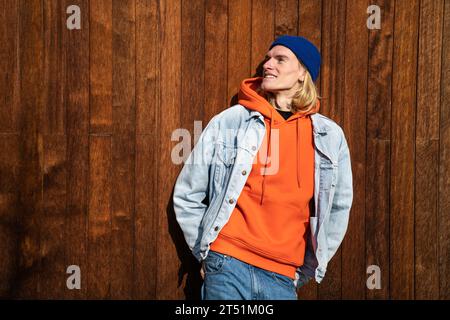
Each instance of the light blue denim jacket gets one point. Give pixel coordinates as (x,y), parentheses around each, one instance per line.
(214,171)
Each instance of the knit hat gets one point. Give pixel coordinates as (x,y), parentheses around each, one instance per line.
(304,50)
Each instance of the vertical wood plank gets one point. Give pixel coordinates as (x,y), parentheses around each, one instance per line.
(309,26)
(216,45)
(403,153)
(9,219)
(32,100)
(100,193)
(332,87)
(54,65)
(444,162)
(427,150)
(147,128)
(286,17)
(354,125)
(310,21)
(169,119)
(378,169)
(123,149)
(53,279)
(239,46)
(76,45)
(76,220)
(100,38)
(9,64)
(263,31)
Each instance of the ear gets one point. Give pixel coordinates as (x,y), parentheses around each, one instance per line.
(302,74)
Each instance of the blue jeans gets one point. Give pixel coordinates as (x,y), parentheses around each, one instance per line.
(231,279)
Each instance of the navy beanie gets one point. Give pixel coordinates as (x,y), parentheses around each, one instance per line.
(305,51)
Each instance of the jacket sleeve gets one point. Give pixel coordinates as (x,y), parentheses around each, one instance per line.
(191,186)
(342,201)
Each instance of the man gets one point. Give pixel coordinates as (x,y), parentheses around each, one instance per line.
(278,178)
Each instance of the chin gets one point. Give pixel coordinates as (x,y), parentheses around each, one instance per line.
(268,88)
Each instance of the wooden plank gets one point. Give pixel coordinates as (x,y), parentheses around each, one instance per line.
(100,221)
(123,144)
(216,41)
(54,65)
(193,98)
(76,43)
(146,217)
(354,124)
(444,163)
(76,221)
(332,88)
(286,17)
(310,21)
(379,98)
(100,39)
(310,26)
(9,173)
(403,153)
(31,146)
(147,142)
(9,82)
(147,66)
(239,46)
(53,278)
(427,150)
(263,33)
(76,46)
(169,119)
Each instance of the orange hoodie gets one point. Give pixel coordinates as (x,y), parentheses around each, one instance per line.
(269,223)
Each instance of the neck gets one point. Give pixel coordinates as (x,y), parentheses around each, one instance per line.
(283,103)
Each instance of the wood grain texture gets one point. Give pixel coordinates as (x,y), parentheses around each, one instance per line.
(378,171)
(310,26)
(169,242)
(427,151)
(87,116)
(147,147)
(332,90)
(444,162)
(353,122)
(403,149)
(76,100)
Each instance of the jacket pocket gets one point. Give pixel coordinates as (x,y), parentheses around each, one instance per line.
(225,159)
(328,175)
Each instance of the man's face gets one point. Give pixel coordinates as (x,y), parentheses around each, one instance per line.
(282,71)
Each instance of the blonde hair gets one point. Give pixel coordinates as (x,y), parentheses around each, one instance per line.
(303,101)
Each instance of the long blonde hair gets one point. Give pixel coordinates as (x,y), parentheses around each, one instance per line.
(304,100)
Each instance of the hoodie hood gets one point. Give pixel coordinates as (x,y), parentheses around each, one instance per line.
(249,98)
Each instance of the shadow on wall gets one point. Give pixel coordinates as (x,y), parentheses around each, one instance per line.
(189,265)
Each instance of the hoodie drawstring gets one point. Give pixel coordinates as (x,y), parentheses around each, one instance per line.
(298,154)
(267,156)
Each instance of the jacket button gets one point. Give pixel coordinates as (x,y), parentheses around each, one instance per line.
(254,148)
(231,201)
(244,173)
(216,228)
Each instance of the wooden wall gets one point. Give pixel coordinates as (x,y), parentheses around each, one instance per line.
(86,118)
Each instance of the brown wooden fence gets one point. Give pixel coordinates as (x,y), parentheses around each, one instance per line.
(86,118)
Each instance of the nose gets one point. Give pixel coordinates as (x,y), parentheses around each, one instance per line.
(267,64)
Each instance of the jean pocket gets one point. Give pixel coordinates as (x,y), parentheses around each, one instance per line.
(283,280)
(214,262)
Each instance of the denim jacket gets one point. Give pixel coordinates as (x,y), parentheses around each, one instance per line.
(213,173)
